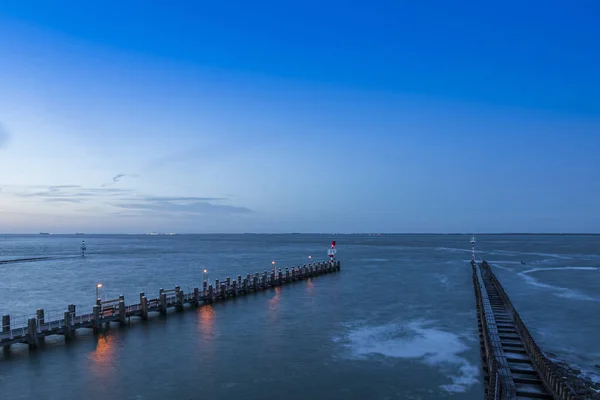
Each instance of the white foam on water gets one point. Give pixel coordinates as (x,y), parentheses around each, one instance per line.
(501,267)
(561,268)
(443,279)
(415,340)
(558,290)
(453,250)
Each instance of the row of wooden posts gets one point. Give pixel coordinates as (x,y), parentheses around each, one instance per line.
(117,311)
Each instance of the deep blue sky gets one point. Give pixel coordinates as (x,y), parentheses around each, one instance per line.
(305,116)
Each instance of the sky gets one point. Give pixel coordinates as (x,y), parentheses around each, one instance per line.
(299,116)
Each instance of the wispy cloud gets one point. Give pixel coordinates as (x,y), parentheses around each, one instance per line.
(196,207)
(118,177)
(110,198)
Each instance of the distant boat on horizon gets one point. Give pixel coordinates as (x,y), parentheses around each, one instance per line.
(79,233)
(45,233)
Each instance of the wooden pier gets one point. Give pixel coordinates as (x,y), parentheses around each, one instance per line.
(35,328)
(514,366)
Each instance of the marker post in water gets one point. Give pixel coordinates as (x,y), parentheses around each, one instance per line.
(331,251)
(473,248)
(83,248)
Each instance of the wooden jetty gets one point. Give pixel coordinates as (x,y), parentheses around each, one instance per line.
(34,329)
(514,366)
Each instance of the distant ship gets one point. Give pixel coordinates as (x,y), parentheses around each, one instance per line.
(78,233)
(45,233)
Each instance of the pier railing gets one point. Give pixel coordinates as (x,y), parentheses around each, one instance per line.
(500,385)
(556,383)
(32,329)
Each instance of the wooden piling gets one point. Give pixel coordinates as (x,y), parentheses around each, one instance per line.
(121,310)
(68,326)
(223,293)
(210,294)
(39,314)
(245,286)
(32,333)
(179,297)
(196,297)
(228,283)
(144,307)
(163,303)
(293,274)
(96,321)
(239,282)
(234,289)
(6,326)
(255,282)
(204,287)
(264,280)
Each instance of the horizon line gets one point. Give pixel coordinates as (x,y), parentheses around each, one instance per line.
(302,233)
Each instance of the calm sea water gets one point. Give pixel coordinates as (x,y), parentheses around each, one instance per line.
(398,322)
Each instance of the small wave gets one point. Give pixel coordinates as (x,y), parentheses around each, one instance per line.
(558,290)
(452,249)
(561,268)
(415,340)
(501,267)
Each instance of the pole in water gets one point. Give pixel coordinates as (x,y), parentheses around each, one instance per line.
(331,251)
(83,247)
(473,248)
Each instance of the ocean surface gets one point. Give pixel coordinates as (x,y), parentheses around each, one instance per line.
(398,321)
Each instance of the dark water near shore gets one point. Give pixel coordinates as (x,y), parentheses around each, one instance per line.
(398,322)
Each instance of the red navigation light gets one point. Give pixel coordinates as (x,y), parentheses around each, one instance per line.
(332,244)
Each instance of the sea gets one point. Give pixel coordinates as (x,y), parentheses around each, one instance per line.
(397,322)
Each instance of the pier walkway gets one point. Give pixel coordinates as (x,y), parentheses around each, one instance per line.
(514,366)
(32,330)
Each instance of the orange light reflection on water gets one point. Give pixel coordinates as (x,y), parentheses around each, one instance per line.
(207,321)
(310,287)
(103,358)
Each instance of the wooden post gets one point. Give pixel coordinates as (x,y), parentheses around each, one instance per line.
(239,283)
(210,294)
(142,295)
(163,303)
(245,287)
(223,291)
(273,277)
(228,282)
(144,306)
(204,288)
(32,333)
(72,309)
(293,274)
(6,326)
(40,316)
(96,322)
(217,289)
(255,282)
(68,328)
(280,277)
(196,297)
(234,288)
(310,270)
(122,314)
(264,280)
(179,297)
(287,274)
